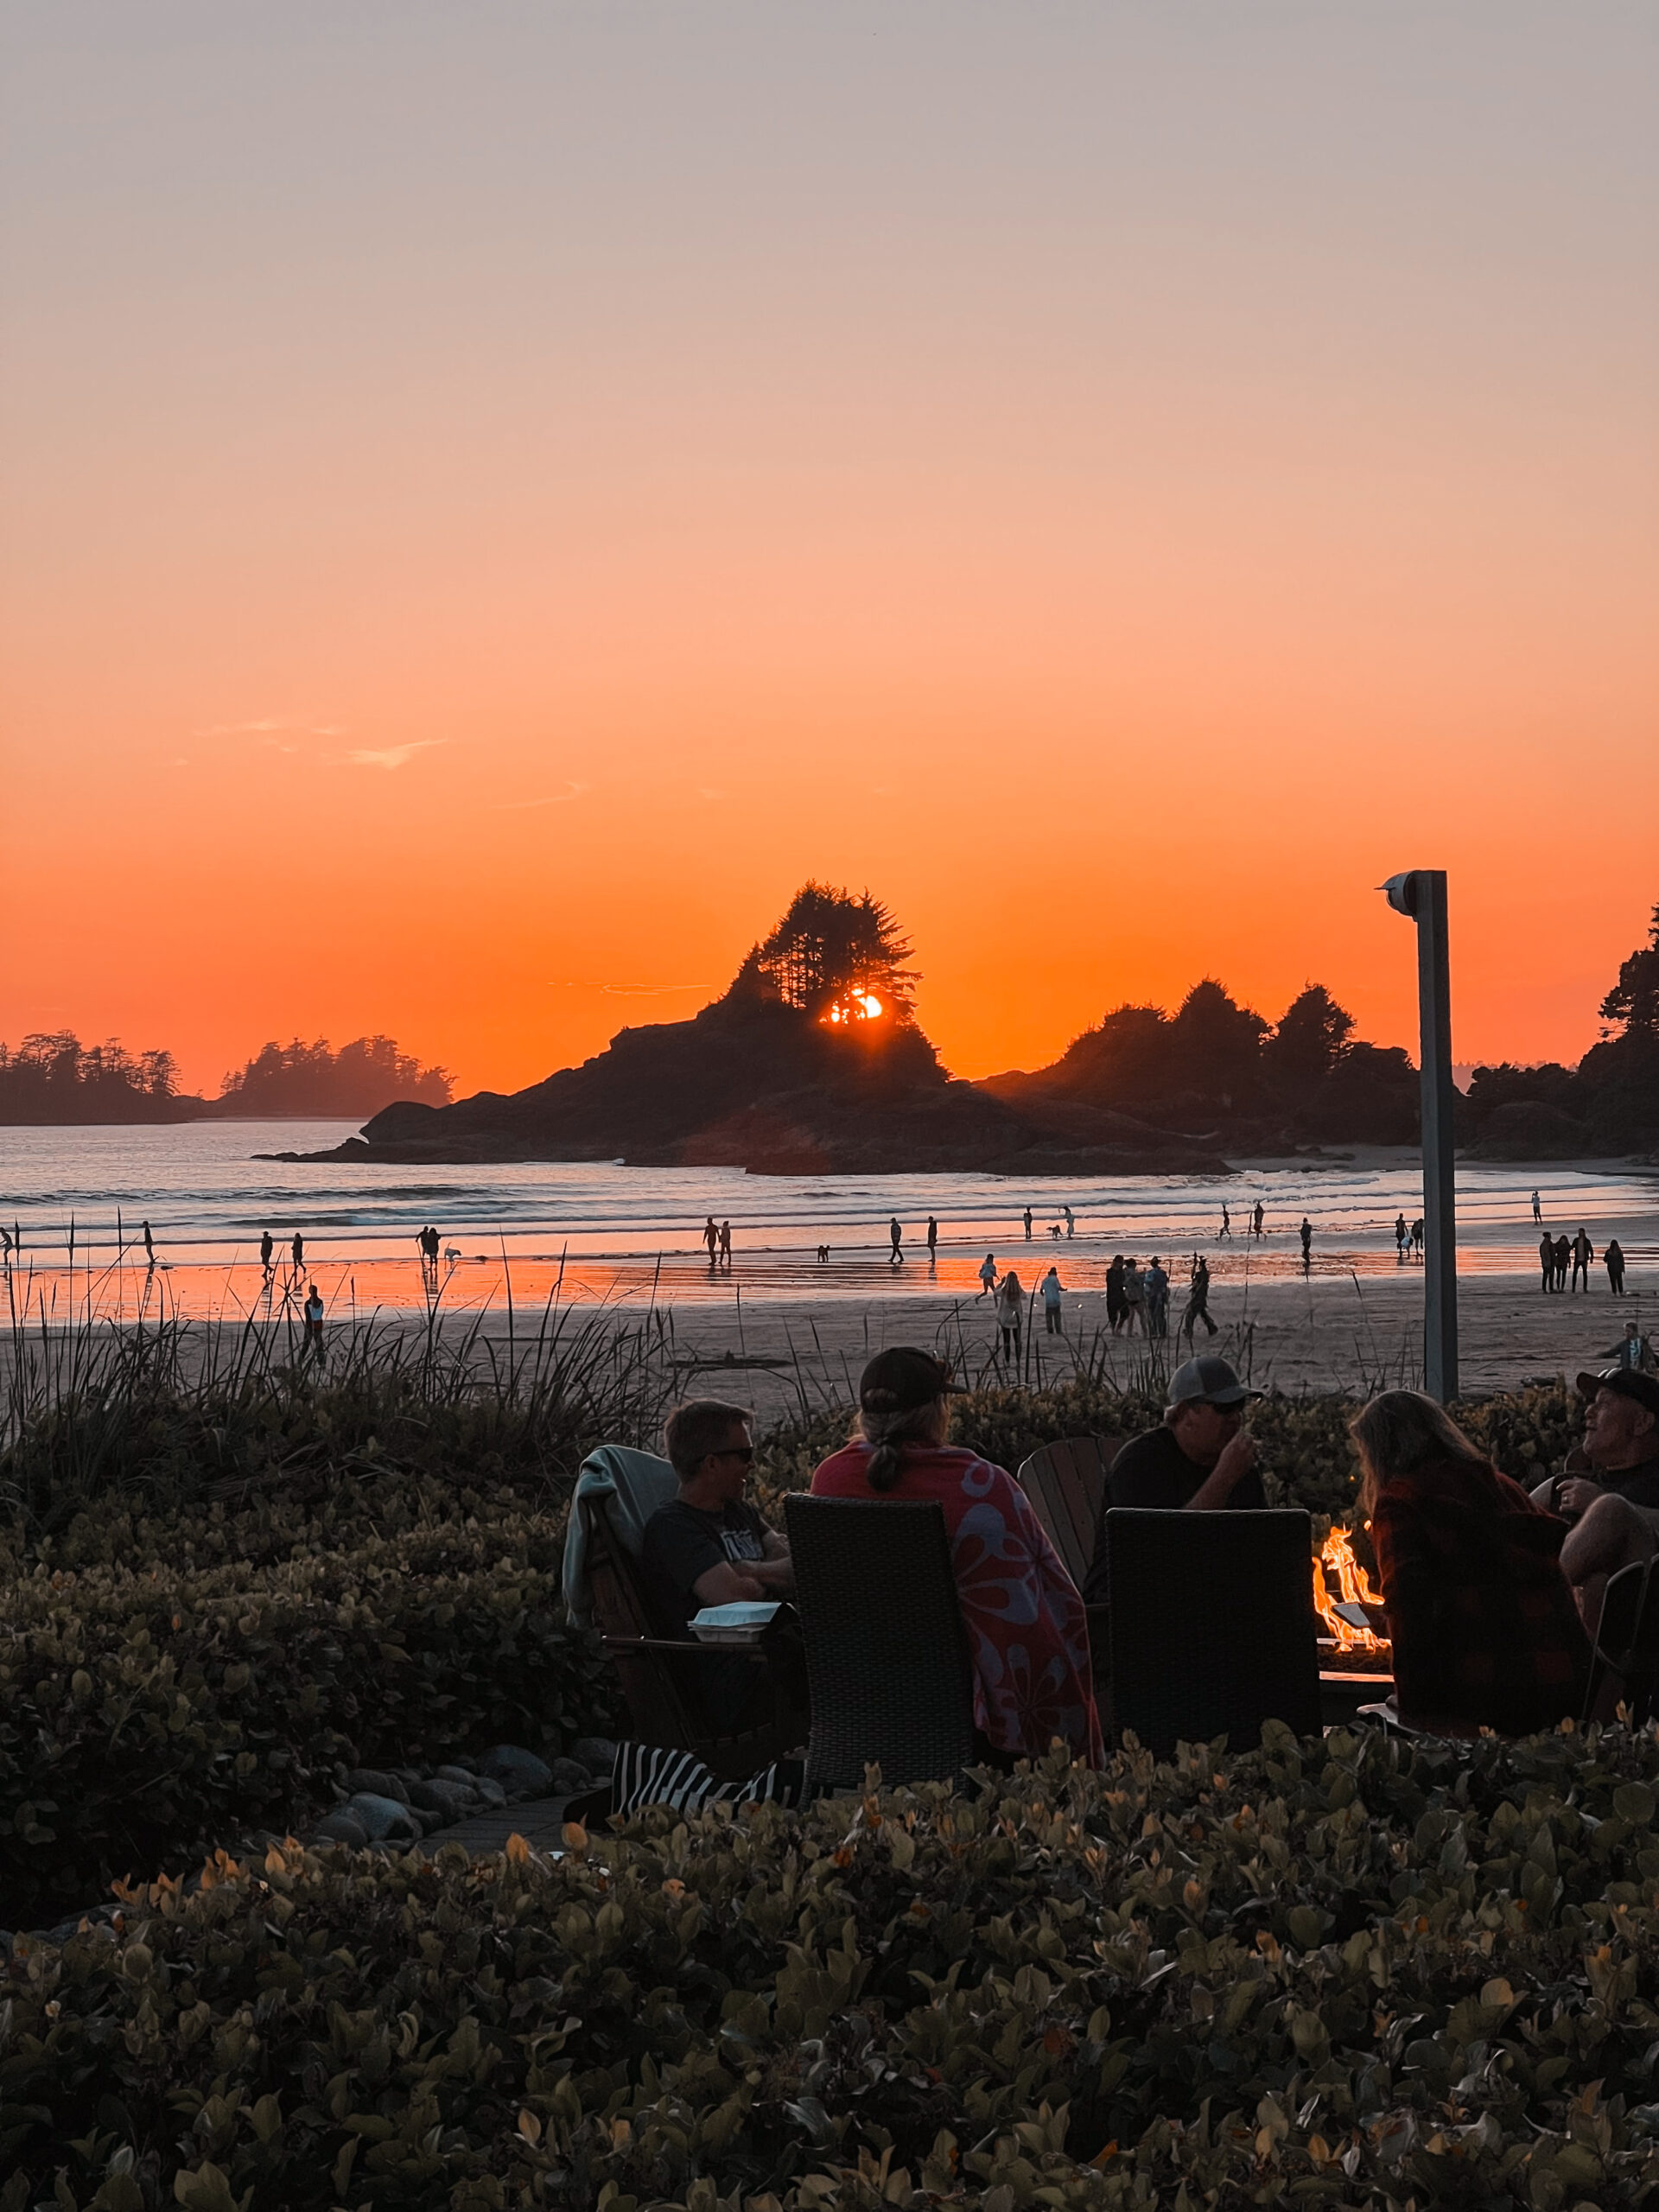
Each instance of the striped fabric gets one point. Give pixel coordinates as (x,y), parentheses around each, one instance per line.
(645,1774)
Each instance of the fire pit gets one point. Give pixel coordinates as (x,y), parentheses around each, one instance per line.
(1356,1664)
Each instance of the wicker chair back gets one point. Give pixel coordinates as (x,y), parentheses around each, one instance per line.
(886,1657)
(1212,1625)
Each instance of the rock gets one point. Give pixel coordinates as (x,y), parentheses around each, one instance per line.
(520,1773)
(450,1803)
(597,1754)
(490,1793)
(461,1775)
(408,1774)
(377,1784)
(342,1827)
(568,1778)
(383,1819)
(429,1818)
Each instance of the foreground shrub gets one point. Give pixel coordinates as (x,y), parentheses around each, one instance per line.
(154,1711)
(1342,1974)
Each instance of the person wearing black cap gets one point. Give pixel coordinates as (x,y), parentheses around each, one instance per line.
(1026,1628)
(1199,1459)
(1615,1509)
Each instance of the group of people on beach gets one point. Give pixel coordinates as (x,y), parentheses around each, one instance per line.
(1556,1254)
(1490,1595)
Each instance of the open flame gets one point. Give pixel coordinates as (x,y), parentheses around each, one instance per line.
(1353,1588)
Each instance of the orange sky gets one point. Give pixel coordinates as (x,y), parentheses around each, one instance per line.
(495,497)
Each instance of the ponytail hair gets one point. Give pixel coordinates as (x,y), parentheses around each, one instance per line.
(891,1432)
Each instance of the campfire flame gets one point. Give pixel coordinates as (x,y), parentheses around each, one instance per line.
(1353,1588)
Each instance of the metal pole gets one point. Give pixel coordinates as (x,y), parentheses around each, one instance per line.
(1421,893)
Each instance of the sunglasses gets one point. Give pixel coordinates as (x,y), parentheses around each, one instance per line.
(743,1452)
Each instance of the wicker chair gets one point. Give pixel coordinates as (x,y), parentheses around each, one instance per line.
(1068,1483)
(1627,1642)
(657,1674)
(1212,1627)
(886,1656)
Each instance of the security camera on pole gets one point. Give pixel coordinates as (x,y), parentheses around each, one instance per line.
(1421,893)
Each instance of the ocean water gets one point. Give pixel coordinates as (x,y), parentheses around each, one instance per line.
(598,1230)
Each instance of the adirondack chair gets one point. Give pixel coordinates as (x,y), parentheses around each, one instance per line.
(886,1654)
(1627,1642)
(618,1491)
(1067,1484)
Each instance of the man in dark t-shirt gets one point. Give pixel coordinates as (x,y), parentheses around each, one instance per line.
(707,1547)
(1614,1507)
(1198,1459)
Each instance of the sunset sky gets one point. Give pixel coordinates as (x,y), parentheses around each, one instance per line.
(495,495)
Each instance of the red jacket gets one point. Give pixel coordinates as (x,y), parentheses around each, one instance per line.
(1483,1627)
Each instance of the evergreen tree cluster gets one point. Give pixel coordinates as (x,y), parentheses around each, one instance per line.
(358,1079)
(53,1077)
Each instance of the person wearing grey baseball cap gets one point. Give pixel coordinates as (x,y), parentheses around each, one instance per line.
(1198,1459)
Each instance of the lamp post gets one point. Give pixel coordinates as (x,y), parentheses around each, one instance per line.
(1421,893)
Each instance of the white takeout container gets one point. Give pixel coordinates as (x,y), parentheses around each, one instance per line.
(743,1622)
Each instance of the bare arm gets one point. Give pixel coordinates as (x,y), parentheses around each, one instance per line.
(727,1584)
(1224,1478)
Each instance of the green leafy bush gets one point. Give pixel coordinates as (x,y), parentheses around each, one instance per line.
(150,1711)
(1354,1972)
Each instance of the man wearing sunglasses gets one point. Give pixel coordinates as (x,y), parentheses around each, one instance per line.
(708,1547)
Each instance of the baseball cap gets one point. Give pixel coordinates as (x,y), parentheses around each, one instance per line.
(1624,1383)
(903,1377)
(1207,1381)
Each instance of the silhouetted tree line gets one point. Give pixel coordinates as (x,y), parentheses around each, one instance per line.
(358,1079)
(1608,1103)
(52,1078)
(1214,1064)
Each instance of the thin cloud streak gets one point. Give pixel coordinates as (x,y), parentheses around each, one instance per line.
(631,990)
(393,756)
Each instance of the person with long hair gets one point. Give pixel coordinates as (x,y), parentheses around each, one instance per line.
(1028,1632)
(1484,1630)
(1010,1313)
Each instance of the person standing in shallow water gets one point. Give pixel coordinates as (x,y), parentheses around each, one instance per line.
(1399,1236)
(1537,1211)
(1028,1218)
(933,1240)
(711,1238)
(1306,1235)
(725,1243)
(1260,1216)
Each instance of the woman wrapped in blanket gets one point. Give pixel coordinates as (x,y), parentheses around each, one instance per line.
(1028,1632)
(1484,1630)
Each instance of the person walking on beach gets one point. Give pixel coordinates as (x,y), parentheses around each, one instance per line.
(313,1347)
(1052,1294)
(299,1251)
(1583,1252)
(1537,1211)
(1614,1258)
(1260,1216)
(932,1241)
(1071,1223)
(1417,1234)
(1306,1235)
(1633,1353)
(267,1246)
(1135,1298)
(1226,1229)
(711,1238)
(1027,1222)
(1399,1236)
(895,1231)
(1198,1303)
(1546,1261)
(149,1242)
(988,1275)
(1010,1313)
(5,1248)
(725,1243)
(1157,1287)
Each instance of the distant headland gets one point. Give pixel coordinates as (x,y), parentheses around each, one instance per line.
(812,1061)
